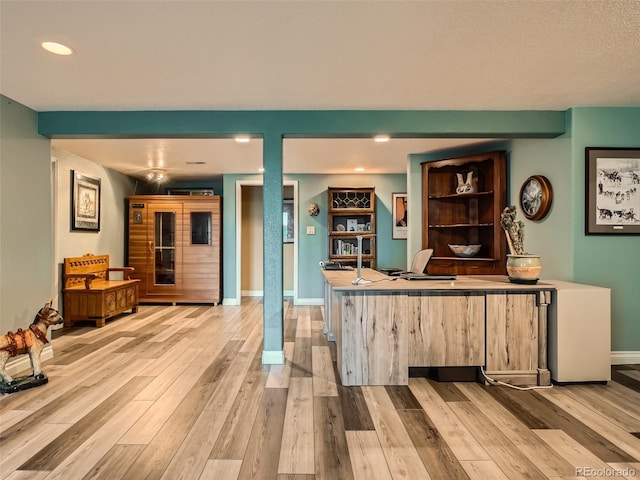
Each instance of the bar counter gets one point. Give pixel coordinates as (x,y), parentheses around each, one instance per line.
(384,327)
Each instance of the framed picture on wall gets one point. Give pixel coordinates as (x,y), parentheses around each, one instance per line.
(612,196)
(399,215)
(287,221)
(85,202)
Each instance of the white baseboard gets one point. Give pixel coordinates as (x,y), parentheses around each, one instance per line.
(301,301)
(260,293)
(625,358)
(273,357)
(310,301)
(22,363)
(252,293)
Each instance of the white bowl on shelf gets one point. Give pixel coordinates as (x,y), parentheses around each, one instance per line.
(465,250)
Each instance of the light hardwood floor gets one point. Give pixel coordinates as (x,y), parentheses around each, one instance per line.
(179,392)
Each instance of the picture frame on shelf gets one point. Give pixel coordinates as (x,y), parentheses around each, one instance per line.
(352,224)
(612,191)
(399,215)
(85,202)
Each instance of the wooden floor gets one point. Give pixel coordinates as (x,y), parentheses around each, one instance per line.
(179,392)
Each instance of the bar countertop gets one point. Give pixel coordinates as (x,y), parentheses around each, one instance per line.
(342,280)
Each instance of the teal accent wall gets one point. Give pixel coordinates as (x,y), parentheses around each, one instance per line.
(275,125)
(608,261)
(550,237)
(305,123)
(569,254)
(314,248)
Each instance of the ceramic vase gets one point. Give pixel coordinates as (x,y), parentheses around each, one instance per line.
(524,268)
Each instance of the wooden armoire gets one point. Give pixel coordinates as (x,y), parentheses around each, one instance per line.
(175,247)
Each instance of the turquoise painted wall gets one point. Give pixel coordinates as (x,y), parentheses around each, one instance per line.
(607,261)
(313,248)
(275,125)
(550,237)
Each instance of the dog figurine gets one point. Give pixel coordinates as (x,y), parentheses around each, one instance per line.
(31,341)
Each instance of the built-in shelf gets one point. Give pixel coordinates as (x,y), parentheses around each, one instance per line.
(352,214)
(456,218)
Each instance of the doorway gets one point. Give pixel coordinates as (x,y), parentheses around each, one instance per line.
(249,241)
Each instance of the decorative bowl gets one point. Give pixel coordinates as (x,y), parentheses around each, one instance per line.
(465,250)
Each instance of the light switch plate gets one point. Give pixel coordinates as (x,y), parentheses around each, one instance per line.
(311,230)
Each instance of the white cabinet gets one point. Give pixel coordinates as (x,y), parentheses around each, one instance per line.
(579,333)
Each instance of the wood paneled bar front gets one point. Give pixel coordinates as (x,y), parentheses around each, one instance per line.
(383,328)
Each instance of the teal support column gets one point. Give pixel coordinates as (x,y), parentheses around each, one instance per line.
(273,347)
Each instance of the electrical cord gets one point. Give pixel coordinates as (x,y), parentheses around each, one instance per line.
(493,381)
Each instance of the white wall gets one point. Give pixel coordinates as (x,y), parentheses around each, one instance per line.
(115,189)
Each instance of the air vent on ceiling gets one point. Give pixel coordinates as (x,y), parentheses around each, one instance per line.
(195,163)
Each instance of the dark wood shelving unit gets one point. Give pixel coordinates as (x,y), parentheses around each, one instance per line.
(348,207)
(465,218)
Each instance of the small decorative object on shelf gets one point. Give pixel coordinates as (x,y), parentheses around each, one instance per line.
(468,185)
(465,251)
(521,266)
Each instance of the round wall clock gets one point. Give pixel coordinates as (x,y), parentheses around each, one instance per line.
(536,196)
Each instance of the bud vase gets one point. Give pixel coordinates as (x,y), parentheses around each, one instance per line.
(524,268)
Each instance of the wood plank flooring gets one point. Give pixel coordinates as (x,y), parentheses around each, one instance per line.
(179,392)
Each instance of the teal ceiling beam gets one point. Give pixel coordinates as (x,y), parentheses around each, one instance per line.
(303,123)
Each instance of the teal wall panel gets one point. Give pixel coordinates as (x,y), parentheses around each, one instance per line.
(314,248)
(609,261)
(351,123)
(273,126)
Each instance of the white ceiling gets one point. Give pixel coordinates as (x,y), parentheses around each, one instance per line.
(274,55)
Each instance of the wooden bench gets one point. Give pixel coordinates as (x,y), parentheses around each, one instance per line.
(90,293)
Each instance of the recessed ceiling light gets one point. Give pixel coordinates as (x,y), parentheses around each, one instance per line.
(57,48)
(359,169)
(261,169)
(242,138)
(381,138)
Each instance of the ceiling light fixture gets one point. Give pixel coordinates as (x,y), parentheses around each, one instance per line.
(359,169)
(261,169)
(242,138)
(57,48)
(157,175)
(381,138)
